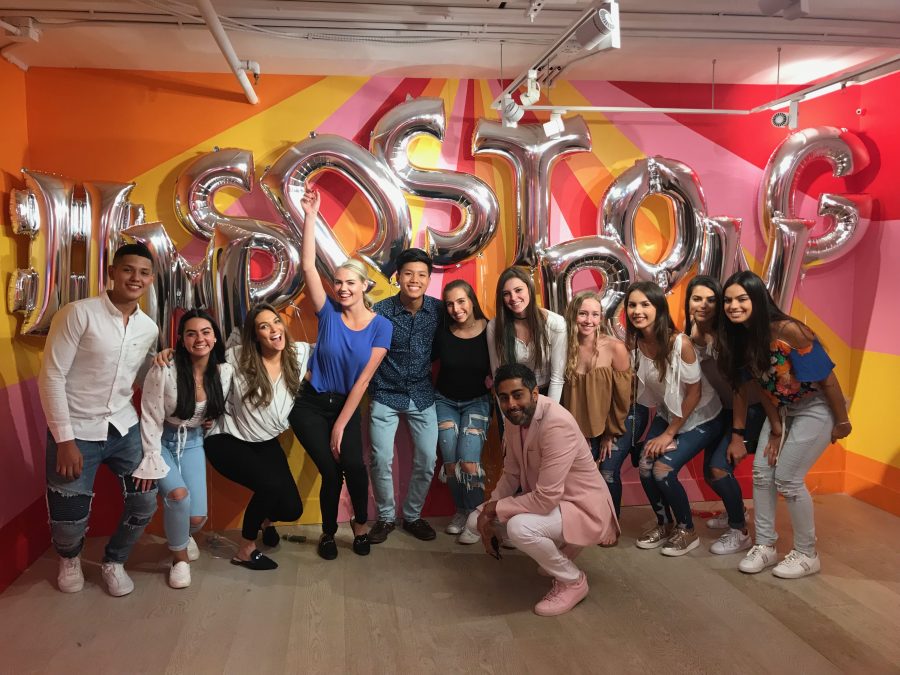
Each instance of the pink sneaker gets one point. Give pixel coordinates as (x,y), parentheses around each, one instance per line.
(562,597)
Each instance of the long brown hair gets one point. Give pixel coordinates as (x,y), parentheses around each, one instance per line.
(572,330)
(664,330)
(259,387)
(505,329)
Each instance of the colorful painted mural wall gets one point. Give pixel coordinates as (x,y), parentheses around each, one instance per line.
(146,126)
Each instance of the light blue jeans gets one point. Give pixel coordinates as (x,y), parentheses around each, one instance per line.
(188,472)
(807,429)
(383,421)
(69,502)
(462,431)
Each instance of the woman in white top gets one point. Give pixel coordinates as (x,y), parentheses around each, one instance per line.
(175,403)
(687,414)
(243,444)
(524,333)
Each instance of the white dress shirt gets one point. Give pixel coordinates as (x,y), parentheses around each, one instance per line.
(254,424)
(90,364)
(159,397)
(549,373)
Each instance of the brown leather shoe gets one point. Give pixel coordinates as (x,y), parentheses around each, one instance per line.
(380,531)
(420,529)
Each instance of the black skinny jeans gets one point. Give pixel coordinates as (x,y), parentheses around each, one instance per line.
(312,419)
(262,468)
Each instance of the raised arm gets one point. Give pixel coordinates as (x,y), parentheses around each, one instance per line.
(310,204)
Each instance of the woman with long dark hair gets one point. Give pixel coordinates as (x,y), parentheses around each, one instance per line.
(687,414)
(175,404)
(805,411)
(462,398)
(703,318)
(243,444)
(351,344)
(522,332)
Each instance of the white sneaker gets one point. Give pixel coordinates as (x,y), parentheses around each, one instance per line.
(468,537)
(796,565)
(70,578)
(757,559)
(193,551)
(720,522)
(118,583)
(458,524)
(731,542)
(180,575)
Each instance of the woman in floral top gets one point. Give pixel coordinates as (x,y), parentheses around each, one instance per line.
(763,347)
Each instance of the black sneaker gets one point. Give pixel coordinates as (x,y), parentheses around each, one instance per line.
(327,547)
(380,531)
(420,529)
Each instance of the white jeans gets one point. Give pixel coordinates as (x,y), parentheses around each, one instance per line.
(539,537)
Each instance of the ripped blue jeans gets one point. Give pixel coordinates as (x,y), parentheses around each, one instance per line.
(660,477)
(69,502)
(462,431)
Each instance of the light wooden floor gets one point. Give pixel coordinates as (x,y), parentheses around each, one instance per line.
(414,607)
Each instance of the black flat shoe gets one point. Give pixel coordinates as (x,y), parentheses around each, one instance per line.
(257,561)
(361,544)
(327,547)
(270,536)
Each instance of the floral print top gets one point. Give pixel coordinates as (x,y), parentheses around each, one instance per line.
(793,373)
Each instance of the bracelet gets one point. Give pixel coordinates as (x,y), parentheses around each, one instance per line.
(840,424)
(739,432)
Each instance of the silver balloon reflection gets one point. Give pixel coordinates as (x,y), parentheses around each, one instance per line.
(285,183)
(57,222)
(604,255)
(532,155)
(778,191)
(720,245)
(195,207)
(620,204)
(477,202)
(783,266)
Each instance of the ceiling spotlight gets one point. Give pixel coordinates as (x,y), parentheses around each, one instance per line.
(556,125)
(511,112)
(790,9)
(602,27)
(532,89)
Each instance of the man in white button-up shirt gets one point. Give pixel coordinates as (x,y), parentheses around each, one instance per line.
(93,354)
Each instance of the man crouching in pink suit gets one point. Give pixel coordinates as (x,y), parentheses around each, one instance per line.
(564,504)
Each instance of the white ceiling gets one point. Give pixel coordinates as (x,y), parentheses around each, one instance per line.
(662,40)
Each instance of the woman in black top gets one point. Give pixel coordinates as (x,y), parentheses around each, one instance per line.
(462,398)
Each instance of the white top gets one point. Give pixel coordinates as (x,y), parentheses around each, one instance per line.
(250,423)
(551,371)
(159,398)
(667,396)
(91,362)
(710,367)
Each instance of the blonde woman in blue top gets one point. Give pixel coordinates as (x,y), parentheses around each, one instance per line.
(351,344)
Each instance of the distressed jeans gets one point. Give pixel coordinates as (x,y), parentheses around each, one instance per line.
(69,502)
(187,470)
(611,467)
(462,431)
(807,429)
(383,421)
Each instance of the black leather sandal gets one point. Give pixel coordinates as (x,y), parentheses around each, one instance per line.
(257,561)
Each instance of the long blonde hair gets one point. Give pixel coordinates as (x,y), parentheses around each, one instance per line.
(572,330)
(360,272)
(259,392)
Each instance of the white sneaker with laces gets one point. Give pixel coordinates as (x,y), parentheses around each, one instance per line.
(720,522)
(70,578)
(468,537)
(796,565)
(731,542)
(757,559)
(193,551)
(458,524)
(180,575)
(117,581)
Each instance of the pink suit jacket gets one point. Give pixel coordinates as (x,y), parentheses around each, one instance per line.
(555,468)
